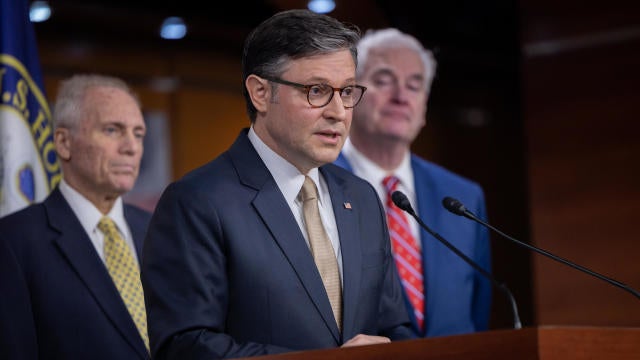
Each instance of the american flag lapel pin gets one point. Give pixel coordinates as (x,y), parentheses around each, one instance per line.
(347,205)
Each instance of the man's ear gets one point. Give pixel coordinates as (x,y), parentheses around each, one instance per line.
(259,92)
(62,141)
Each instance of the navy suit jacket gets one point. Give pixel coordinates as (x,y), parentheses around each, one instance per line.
(457,297)
(57,300)
(227,271)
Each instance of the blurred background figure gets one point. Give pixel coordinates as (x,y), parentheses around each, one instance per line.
(398,71)
(70,265)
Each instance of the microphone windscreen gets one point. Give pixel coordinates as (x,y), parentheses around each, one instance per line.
(454,206)
(401,201)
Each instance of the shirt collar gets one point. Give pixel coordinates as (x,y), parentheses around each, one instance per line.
(88,214)
(288,178)
(374,174)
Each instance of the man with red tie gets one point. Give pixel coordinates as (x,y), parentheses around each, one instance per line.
(443,294)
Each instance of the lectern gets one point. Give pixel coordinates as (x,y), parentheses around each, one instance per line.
(532,343)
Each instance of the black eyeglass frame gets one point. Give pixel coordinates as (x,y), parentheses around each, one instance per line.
(307,88)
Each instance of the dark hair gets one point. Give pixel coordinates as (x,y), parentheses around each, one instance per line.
(290,35)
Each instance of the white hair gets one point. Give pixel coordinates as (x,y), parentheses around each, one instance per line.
(394,38)
(68,110)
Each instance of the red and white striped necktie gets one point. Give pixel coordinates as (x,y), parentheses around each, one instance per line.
(405,252)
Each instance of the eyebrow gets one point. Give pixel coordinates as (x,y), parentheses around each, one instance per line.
(121,124)
(384,71)
(387,71)
(316,80)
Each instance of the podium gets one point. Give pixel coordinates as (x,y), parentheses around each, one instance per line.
(532,343)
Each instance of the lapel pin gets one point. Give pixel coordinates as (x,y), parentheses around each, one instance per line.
(347,205)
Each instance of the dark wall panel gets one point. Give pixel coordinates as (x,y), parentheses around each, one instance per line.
(581,100)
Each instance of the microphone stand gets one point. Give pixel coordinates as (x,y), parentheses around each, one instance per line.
(457,208)
(401,201)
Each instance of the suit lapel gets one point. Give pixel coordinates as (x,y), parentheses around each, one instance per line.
(345,212)
(77,248)
(276,214)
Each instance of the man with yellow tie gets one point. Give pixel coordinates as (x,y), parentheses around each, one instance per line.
(69,266)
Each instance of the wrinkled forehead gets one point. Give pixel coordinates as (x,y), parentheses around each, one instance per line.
(338,66)
(112,104)
(401,61)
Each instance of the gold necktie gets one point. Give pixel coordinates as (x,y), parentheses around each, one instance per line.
(321,248)
(125,274)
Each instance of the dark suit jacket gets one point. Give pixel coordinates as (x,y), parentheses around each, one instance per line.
(57,300)
(458,298)
(227,272)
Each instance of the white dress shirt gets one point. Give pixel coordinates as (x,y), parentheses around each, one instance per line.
(289,181)
(374,174)
(89,217)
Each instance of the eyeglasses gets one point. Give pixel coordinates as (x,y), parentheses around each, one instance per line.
(319,95)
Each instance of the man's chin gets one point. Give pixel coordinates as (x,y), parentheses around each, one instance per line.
(327,157)
(122,187)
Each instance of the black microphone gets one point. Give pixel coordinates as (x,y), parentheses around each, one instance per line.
(458,208)
(401,201)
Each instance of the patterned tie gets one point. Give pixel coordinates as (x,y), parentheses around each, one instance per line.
(405,251)
(125,274)
(321,248)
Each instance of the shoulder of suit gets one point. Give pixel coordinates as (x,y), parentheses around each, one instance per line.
(354,184)
(24,227)
(134,209)
(439,173)
(342,173)
(28,215)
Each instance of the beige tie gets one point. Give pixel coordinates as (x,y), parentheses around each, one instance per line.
(321,248)
(125,274)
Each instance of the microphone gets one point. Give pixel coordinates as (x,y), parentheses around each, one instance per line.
(458,208)
(401,201)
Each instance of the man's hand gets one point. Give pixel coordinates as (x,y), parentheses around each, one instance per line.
(362,339)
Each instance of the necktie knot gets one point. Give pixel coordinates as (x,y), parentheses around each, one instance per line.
(390,184)
(309,190)
(107,226)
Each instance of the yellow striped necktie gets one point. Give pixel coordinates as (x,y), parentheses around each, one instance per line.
(125,274)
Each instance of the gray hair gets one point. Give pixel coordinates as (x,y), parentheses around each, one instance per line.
(68,111)
(394,38)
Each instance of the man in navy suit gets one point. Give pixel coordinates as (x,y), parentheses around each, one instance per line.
(229,264)
(451,298)
(58,298)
